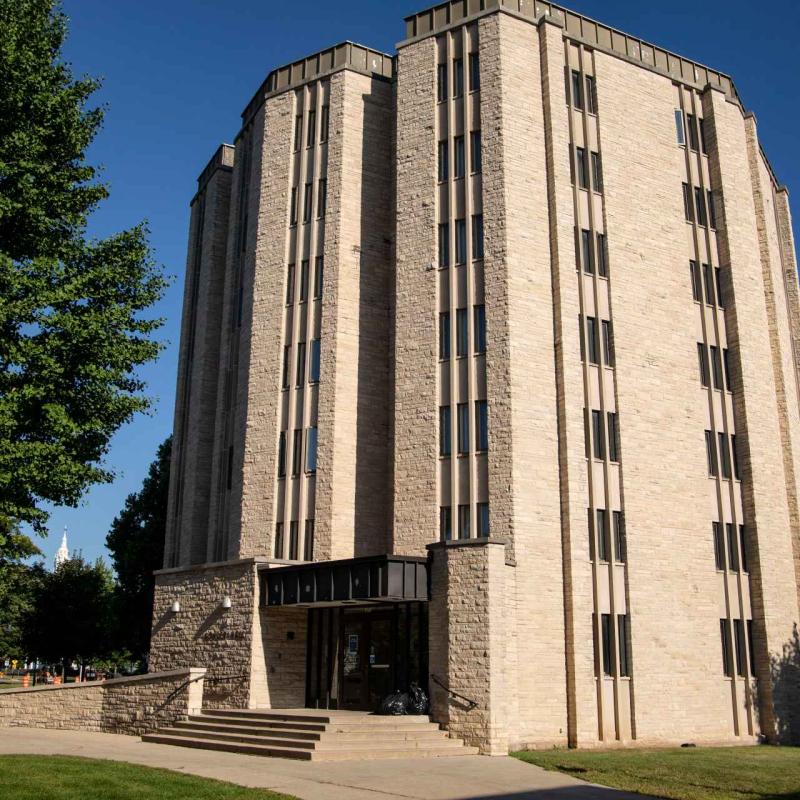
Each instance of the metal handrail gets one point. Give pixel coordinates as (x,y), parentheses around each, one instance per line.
(470,703)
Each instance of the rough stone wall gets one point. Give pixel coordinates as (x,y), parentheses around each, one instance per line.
(203,634)
(468,632)
(415,507)
(752,337)
(124,705)
(352,474)
(283,632)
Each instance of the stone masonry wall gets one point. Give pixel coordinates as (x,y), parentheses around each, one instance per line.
(124,705)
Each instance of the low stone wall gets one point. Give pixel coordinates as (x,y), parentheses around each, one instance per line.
(133,706)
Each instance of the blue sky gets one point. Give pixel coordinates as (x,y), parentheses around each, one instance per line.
(179,72)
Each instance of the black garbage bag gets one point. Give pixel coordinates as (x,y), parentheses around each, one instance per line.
(417,700)
(394,705)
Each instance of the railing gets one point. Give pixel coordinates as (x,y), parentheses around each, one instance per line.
(470,703)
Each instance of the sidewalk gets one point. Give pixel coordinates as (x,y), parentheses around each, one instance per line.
(460,778)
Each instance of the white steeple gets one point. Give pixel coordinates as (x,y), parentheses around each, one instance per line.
(63,552)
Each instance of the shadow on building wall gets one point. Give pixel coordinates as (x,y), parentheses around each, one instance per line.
(785,673)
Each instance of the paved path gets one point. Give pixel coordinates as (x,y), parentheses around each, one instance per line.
(458,778)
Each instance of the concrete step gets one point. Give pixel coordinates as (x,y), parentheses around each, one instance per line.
(366,724)
(318,718)
(231,747)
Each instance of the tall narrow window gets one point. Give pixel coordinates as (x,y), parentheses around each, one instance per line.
(304,280)
(583,172)
(293,207)
(445,447)
(724,455)
(586,251)
(475,155)
(297,451)
(711,455)
(308,542)
(602,534)
(477,236)
(311,450)
(229,482)
(279,540)
(727,666)
(622,643)
(445,523)
(605,634)
(322,197)
(444,335)
(324,124)
(312,128)
(692,125)
(590,518)
(307,198)
(738,638)
(293,540)
(591,94)
(287,351)
(613,436)
(608,343)
(482,423)
(461,241)
(282,455)
(444,244)
(316,351)
(716,365)
(319,270)
(743,548)
(474,72)
(697,283)
(444,165)
(463,522)
(462,333)
(591,337)
(620,545)
(298,131)
(717,276)
(702,218)
(750,647)
(702,357)
(483,520)
(479,323)
(577,90)
(688,210)
(709,282)
(598,434)
(719,545)
(602,255)
(463,428)
(290,285)
(597,172)
(679,128)
(459,166)
(735,452)
(712,208)
(458,77)
(441,82)
(733,547)
(703,143)
(301,364)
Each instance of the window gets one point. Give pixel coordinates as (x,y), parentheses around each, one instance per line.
(597,172)
(719,545)
(293,207)
(679,129)
(711,455)
(293,540)
(694,276)
(583,172)
(311,450)
(733,547)
(622,643)
(702,219)
(605,634)
(230,468)
(282,455)
(279,540)
(444,245)
(462,333)
(312,128)
(602,535)
(716,364)
(461,241)
(591,94)
(475,155)
(702,356)
(316,352)
(602,255)
(301,364)
(591,337)
(444,335)
(735,452)
(297,451)
(445,446)
(444,166)
(298,131)
(707,278)
(724,455)
(463,522)
(598,434)
(590,519)
(441,82)
(692,125)
(479,324)
(727,666)
(712,208)
(483,520)
(477,236)
(307,203)
(459,164)
(688,210)
(308,542)
(319,270)
(285,373)
(738,639)
(717,275)
(474,72)
(586,252)
(290,285)
(743,549)
(462,410)
(620,548)
(608,343)
(322,197)
(304,280)
(750,647)
(458,77)
(324,124)
(240,307)
(703,144)
(482,423)
(445,523)
(613,436)
(577,90)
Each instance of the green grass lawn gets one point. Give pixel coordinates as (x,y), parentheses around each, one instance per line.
(713,773)
(65,778)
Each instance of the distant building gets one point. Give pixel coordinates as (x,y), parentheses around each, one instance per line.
(62,554)
(489,380)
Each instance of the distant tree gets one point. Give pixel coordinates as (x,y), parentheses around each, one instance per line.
(136,544)
(71,327)
(71,618)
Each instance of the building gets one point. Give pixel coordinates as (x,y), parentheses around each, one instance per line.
(489,380)
(62,554)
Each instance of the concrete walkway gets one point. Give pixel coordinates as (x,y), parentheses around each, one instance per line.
(459,778)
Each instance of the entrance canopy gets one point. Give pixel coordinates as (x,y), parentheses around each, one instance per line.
(351,581)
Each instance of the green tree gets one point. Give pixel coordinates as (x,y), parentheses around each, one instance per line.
(136,544)
(71,618)
(72,330)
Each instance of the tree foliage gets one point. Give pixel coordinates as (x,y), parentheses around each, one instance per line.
(136,544)
(72,330)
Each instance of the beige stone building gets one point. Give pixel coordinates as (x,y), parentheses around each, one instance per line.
(489,381)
